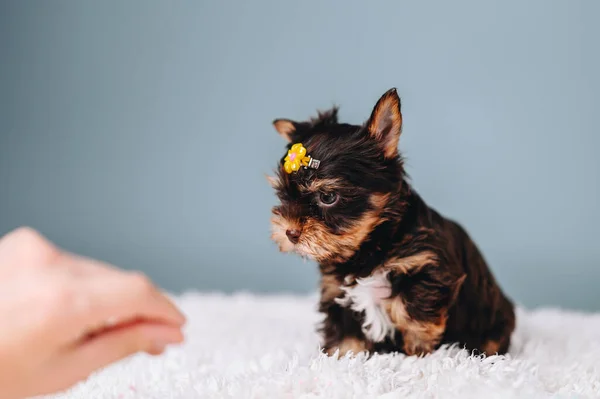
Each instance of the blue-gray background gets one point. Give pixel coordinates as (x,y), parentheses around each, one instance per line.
(139,132)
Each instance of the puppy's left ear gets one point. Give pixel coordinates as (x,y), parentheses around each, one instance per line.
(286,128)
(385,124)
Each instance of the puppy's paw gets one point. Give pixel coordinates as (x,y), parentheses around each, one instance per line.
(349,345)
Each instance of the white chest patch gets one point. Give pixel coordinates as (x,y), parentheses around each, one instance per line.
(366,296)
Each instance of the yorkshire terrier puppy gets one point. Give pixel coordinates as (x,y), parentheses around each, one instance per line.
(396,275)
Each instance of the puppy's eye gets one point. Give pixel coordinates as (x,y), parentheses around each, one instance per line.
(328,199)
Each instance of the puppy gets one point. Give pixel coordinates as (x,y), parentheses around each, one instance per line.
(395,274)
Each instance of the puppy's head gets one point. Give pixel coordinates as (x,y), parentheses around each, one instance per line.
(327,213)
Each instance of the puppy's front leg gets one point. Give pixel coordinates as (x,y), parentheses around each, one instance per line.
(341,330)
(422,292)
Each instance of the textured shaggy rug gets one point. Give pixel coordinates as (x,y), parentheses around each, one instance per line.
(246,346)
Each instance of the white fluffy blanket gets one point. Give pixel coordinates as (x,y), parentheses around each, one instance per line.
(246,346)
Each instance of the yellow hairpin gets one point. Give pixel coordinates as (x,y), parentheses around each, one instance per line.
(296,157)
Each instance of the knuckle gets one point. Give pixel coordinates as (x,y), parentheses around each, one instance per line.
(141,283)
(29,239)
(29,235)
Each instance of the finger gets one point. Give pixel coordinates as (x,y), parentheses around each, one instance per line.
(113,345)
(125,296)
(95,294)
(123,340)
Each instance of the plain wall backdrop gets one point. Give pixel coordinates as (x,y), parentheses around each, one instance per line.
(139,132)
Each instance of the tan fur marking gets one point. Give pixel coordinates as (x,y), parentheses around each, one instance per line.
(350,344)
(379,200)
(413,262)
(319,184)
(319,243)
(330,288)
(419,337)
(491,347)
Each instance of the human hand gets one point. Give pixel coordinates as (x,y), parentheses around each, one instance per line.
(63,316)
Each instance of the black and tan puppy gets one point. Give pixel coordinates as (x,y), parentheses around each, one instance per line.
(396,275)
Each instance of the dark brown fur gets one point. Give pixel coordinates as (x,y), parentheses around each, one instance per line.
(442,290)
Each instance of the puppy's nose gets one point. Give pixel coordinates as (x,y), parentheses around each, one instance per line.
(293,235)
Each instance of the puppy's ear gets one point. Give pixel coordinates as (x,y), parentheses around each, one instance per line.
(286,128)
(385,124)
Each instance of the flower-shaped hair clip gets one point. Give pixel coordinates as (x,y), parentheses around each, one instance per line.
(296,157)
